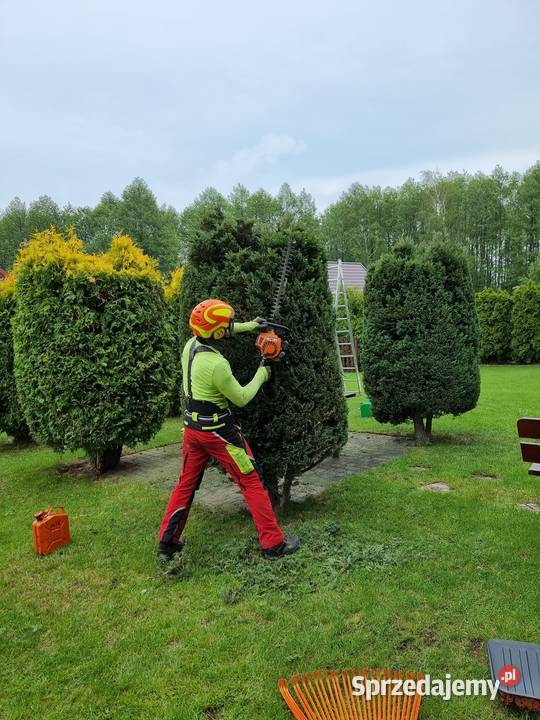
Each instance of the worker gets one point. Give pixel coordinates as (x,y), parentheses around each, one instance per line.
(210,431)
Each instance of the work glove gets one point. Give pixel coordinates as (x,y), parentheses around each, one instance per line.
(261,322)
(266,364)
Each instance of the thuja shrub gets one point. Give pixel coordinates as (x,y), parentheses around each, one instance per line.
(92,342)
(526,323)
(299,417)
(494,309)
(421,336)
(12,419)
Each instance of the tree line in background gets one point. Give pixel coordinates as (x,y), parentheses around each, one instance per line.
(160,231)
(495,218)
(136,213)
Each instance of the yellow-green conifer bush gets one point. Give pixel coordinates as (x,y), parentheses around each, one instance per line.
(93,360)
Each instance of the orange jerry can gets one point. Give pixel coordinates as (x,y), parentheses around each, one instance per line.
(51,530)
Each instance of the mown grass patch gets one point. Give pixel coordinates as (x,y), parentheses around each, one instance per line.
(328,553)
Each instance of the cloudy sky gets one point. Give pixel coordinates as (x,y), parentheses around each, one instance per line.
(318,94)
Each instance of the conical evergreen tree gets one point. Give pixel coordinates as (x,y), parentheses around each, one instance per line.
(421,336)
(299,417)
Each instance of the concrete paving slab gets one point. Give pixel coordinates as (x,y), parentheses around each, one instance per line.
(160,467)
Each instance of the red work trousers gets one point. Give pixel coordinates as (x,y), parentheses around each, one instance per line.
(233,452)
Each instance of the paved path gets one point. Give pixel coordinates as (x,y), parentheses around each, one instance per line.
(160,467)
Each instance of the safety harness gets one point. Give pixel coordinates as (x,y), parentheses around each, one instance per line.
(202,414)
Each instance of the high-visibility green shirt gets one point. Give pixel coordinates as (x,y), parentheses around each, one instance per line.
(212,379)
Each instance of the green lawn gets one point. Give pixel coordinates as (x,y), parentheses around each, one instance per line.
(389,575)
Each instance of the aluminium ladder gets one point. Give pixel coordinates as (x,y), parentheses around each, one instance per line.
(344,335)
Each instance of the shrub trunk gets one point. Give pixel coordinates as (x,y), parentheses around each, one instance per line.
(420,433)
(106,459)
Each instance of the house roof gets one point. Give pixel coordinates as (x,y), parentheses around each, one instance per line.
(3,274)
(354,274)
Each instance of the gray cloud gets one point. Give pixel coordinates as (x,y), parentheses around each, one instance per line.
(313,93)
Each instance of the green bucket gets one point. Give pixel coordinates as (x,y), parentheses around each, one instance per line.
(365,409)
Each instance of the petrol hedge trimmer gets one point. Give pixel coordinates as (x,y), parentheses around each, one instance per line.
(271,341)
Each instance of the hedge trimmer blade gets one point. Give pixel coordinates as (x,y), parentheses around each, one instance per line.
(270,340)
(282,280)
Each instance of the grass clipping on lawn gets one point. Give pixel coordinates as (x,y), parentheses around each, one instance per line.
(327,554)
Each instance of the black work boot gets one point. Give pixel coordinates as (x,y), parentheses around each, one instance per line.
(289,546)
(166,551)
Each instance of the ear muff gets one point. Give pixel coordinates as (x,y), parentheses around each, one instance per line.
(219,334)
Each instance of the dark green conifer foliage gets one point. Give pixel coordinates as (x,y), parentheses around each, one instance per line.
(355,300)
(299,417)
(12,420)
(526,323)
(421,336)
(494,308)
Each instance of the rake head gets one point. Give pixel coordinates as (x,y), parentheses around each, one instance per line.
(328,695)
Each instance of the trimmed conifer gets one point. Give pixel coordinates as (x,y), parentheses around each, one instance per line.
(421,336)
(299,417)
(92,346)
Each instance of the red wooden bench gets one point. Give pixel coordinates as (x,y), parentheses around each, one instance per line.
(529,428)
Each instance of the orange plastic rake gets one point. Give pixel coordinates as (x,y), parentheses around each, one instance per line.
(328,695)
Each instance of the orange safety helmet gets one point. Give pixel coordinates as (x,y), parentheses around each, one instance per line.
(211,319)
